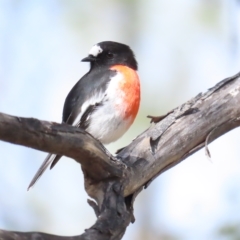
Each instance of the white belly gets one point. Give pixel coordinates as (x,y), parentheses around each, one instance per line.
(107,124)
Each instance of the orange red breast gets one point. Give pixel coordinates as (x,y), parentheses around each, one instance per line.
(130,85)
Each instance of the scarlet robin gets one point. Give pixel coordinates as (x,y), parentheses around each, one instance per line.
(105,101)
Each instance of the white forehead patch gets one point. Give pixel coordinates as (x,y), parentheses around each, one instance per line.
(95,50)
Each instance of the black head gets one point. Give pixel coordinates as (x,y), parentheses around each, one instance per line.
(111,53)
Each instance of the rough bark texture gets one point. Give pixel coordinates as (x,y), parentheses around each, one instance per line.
(115,183)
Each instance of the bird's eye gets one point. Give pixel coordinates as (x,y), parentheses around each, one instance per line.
(109,55)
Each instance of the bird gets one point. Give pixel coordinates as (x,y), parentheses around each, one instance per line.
(105,101)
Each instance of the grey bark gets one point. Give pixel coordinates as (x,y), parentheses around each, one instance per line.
(114,182)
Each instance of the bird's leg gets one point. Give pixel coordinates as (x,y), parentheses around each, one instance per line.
(112,157)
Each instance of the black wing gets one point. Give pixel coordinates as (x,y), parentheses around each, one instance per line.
(94,82)
(92,85)
(85,118)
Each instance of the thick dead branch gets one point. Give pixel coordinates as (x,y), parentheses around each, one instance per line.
(61,139)
(182,132)
(113,183)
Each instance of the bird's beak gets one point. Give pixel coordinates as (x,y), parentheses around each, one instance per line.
(89,58)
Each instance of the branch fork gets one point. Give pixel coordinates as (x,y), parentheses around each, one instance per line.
(114,182)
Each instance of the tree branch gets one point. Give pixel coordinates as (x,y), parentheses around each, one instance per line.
(114,184)
(61,139)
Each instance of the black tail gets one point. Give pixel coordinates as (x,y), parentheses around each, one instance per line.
(51,158)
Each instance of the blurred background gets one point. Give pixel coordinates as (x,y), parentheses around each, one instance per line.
(183,47)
